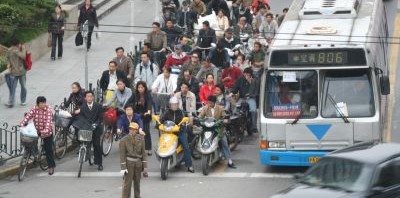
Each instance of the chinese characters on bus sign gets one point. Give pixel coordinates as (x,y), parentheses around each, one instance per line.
(286,111)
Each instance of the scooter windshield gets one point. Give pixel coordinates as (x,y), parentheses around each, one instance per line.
(209,122)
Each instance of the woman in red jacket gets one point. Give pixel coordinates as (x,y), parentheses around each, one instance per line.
(257,4)
(207,88)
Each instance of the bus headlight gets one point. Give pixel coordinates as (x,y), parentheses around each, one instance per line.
(276,145)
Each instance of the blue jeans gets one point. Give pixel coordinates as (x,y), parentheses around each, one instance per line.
(225,148)
(22,82)
(253,110)
(186,151)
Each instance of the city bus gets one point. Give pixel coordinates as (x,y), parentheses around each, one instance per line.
(325,82)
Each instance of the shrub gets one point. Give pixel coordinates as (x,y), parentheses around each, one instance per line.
(26,19)
(3,63)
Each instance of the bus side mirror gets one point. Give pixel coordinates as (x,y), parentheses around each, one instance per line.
(385,85)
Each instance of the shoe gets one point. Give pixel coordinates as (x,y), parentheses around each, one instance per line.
(23,104)
(9,105)
(231,165)
(100,168)
(191,169)
(59,57)
(53,59)
(51,171)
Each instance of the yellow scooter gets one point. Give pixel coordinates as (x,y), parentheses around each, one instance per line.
(169,152)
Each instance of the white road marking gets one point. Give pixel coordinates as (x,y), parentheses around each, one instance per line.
(176,175)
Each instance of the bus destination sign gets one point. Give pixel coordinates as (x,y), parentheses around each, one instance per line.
(318,58)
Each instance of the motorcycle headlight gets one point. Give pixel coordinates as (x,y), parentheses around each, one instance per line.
(207,134)
(276,144)
(209,124)
(168,128)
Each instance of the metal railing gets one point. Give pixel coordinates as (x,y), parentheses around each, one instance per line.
(10,146)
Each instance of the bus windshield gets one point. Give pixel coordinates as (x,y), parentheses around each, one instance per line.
(347,92)
(291,94)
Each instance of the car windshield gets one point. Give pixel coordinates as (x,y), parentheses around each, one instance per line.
(291,94)
(348,93)
(341,174)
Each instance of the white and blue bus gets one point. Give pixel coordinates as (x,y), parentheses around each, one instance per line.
(325,82)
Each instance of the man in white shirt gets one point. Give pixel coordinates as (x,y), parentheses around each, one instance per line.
(146,70)
(163,87)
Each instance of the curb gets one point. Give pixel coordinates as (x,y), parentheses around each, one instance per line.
(13,169)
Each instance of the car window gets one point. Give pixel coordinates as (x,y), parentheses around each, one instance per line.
(389,174)
(339,173)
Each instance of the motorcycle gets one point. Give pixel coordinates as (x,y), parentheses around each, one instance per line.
(169,151)
(209,143)
(239,121)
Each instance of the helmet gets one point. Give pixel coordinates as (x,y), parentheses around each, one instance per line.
(133,125)
(173,100)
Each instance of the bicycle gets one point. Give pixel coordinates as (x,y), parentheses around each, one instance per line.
(31,155)
(85,149)
(109,131)
(62,133)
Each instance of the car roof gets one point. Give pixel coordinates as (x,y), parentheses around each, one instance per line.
(369,152)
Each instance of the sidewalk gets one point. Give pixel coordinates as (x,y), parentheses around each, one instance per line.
(53,79)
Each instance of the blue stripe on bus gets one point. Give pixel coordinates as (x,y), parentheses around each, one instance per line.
(288,158)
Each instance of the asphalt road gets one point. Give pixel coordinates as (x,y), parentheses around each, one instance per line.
(250,179)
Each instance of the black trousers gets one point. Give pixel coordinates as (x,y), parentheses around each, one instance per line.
(147,137)
(57,40)
(98,154)
(89,38)
(48,147)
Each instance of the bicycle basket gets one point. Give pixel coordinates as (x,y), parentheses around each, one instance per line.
(62,121)
(110,116)
(85,135)
(28,141)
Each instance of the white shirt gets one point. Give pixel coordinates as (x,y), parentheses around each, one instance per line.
(90,105)
(165,85)
(112,85)
(212,111)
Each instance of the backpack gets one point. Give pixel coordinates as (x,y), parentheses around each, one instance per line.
(28,61)
(151,68)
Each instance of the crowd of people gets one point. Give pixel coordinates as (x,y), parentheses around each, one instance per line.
(195,72)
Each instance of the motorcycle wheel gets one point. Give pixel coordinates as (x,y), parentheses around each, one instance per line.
(204,164)
(164,168)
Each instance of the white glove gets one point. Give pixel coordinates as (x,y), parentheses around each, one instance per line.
(123,172)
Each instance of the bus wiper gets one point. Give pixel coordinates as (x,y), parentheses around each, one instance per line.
(297,118)
(338,109)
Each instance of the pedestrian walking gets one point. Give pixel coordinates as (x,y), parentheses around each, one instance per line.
(16,55)
(56,30)
(133,161)
(88,13)
(42,117)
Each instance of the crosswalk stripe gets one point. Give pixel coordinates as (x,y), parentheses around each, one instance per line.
(176,175)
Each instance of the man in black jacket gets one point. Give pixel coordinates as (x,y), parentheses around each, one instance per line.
(217,5)
(187,18)
(173,33)
(90,119)
(248,88)
(108,80)
(88,12)
(229,41)
(206,37)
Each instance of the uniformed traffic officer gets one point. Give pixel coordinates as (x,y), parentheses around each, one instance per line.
(133,160)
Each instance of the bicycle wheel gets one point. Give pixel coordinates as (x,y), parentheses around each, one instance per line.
(81,159)
(42,159)
(107,140)
(60,142)
(23,164)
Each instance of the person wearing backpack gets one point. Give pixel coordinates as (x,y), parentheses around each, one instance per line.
(16,56)
(146,70)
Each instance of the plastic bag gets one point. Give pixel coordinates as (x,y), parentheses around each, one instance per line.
(29,130)
(64,114)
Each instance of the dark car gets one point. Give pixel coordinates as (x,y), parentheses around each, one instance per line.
(368,169)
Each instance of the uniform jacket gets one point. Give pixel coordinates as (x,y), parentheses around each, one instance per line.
(132,146)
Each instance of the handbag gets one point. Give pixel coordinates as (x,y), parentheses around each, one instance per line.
(49,41)
(28,61)
(78,39)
